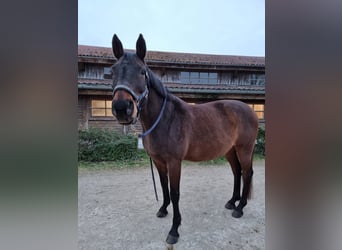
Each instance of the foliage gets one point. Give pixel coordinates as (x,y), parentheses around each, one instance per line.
(110,149)
(95,145)
(260,142)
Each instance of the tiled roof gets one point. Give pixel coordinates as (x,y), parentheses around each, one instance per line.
(84,50)
(173,57)
(207,87)
(177,87)
(94,81)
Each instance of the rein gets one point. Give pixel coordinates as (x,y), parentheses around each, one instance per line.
(147,132)
(154,182)
(139,100)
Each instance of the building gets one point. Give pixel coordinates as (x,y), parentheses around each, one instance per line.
(195,78)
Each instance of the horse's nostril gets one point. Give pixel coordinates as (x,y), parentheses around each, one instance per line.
(129,109)
(118,107)
(122,108)
(114,108)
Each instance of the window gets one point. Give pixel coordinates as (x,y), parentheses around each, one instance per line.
(257,79)
(185,77)
(101,108)
(107,73)
(212,78)
(198,78)
(259,110)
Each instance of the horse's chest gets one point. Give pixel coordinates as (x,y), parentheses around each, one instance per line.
(164,147)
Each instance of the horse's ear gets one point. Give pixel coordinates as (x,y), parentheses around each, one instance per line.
(117,47)
(141,47)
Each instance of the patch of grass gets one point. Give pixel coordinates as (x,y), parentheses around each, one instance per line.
(113,164)
(222,161)
(141,161)
(105,149)
(218,161)
(145,162)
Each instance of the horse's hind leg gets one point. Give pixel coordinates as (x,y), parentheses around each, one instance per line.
(236,169)
(162,170)
(246,160)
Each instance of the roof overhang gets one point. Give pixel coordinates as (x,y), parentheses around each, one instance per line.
(190,93)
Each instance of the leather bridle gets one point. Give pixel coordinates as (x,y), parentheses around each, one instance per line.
(141,100)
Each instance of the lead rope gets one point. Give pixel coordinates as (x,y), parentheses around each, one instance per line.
(146,133)
(154,182)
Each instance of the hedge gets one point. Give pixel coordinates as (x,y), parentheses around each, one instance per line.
(95,145)
(106,145)
(260,142)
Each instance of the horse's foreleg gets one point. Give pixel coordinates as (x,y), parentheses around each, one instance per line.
(162,170)
(236,169)
(174,175)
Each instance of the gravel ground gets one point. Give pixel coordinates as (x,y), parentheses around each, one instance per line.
(117,210)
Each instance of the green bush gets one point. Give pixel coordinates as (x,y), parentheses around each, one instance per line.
(260,142)
(96,145)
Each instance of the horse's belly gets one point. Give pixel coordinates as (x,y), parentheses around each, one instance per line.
(206,153)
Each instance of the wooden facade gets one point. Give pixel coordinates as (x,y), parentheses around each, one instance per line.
(195,78)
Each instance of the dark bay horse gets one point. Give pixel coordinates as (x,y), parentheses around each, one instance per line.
(176,131)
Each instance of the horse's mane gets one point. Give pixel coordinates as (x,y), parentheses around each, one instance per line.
(161,90)
(157,85)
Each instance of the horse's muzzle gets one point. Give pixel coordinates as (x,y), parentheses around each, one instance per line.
(124,111)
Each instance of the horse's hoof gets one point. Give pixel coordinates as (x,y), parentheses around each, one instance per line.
(161,214)
(237,214)
(230,206)
(172,239)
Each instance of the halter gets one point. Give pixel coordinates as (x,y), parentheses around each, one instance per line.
(137,99)
(140,100)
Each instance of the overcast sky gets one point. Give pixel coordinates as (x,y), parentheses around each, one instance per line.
(228,27)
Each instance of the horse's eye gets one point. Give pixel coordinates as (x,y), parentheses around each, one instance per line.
(143,72)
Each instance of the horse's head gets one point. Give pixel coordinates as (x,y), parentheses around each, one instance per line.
(130,79)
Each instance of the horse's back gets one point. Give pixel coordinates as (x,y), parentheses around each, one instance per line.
(215,127)
(229,112)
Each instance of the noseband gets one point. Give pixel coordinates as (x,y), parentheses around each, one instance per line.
(140,101)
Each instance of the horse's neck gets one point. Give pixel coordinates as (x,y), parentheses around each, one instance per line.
(151,109)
